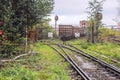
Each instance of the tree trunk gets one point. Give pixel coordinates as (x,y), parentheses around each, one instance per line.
(92,37)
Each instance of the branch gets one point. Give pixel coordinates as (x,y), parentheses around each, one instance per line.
(19,56)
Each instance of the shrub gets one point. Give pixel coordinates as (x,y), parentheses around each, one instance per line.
(9,49)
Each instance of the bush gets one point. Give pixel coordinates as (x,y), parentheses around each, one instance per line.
(9,49)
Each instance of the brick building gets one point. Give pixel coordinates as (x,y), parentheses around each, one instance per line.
(69,30)
(65,30)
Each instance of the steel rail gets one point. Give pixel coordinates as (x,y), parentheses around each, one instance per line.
(74,65)
(101,62)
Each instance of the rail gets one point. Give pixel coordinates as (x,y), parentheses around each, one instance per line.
(67,57)
(107,66)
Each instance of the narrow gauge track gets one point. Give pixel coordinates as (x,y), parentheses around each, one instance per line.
(111,69)
(67,57)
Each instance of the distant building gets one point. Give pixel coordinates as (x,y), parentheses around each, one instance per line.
(72,30)
(76,29)
(65,30)
(69,30)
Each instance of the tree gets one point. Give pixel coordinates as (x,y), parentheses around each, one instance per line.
(18,15)
(95,14)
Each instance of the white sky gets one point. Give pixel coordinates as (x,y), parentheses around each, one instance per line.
(72,11)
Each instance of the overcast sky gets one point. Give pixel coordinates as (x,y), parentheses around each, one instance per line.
(72,11)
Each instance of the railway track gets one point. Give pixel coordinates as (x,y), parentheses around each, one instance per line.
(68,58)
(112,72)
(100,70)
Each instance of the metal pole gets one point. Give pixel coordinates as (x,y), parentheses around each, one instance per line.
(55,26)
(56,19)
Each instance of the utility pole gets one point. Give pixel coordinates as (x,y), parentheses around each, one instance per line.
(56,19)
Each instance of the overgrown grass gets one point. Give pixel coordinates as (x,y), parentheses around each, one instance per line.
(53,67)
(45,65)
